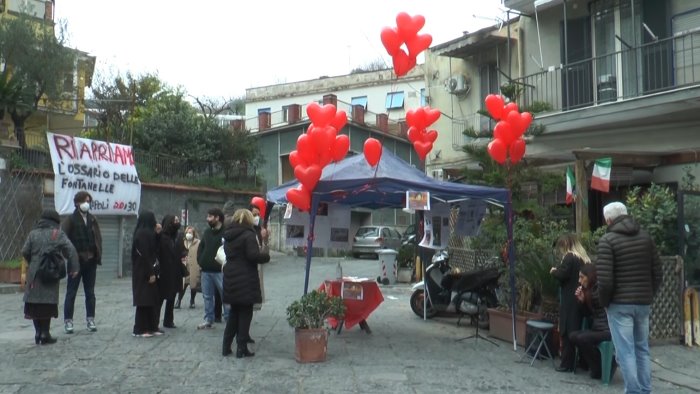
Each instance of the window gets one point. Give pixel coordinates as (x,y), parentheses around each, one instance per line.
(394,100)
(68,86)
(263,110)
(423,98)
(361,100)
(285,113)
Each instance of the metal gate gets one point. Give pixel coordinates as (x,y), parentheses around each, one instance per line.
(21,193)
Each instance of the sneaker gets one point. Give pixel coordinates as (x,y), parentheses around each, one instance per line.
(144,335)
(205,325)
(91,326)
(68,326)
(157,333)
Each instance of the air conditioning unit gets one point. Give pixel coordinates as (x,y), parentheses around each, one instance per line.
(457,84)
(438,174)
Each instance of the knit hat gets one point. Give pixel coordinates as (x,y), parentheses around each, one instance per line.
(51,214)
(229,208)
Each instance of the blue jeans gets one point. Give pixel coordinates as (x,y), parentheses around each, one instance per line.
(211,282)
(629,327)
(88,273)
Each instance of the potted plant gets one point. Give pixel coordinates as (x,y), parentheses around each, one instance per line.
(307,316)
(11,271)
(405,262)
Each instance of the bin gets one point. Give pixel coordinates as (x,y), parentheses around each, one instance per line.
(387,266)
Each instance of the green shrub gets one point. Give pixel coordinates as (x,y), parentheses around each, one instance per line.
(312,310)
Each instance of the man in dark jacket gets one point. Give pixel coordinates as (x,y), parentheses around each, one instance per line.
(84,233)
(212,278)
(629,275)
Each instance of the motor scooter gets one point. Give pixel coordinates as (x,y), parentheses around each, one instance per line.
(465,293)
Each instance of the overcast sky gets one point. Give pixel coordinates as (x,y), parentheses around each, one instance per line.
(218,48)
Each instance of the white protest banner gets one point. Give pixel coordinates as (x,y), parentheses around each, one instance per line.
(103,169)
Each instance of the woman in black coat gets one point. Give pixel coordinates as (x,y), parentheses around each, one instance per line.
(241,281)
(573,258)
(587,340)
(170,279)
(144,250)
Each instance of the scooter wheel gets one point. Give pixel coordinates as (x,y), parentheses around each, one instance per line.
(417,299)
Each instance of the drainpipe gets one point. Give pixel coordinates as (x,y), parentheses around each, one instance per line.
(566,56)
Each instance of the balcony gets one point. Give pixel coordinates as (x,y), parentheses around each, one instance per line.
(476,122)
(41,9)
(667,65)
(366,118)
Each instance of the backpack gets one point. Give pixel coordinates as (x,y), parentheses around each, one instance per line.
(52,266)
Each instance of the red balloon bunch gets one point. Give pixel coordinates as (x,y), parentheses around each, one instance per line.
(418,121)
(320,145)
(405,33)
(508,133)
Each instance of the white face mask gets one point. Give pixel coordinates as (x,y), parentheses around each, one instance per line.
(85,206)
(189,236)
(256,220)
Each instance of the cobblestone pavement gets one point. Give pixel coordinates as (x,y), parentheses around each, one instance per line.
(402,355)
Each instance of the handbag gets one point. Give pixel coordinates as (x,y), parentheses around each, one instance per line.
(221,255)
(185,271)
(52,266)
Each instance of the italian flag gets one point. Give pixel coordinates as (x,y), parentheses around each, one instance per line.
(570,186)
(601,174)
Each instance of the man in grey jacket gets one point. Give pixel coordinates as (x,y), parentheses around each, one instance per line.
(629,275)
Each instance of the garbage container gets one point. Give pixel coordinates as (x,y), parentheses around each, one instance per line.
(387,266)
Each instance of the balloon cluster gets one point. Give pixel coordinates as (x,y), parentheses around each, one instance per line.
(405,33)
(419,120)
(508,133)
(320,145)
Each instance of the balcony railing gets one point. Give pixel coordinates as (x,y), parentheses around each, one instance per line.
(281,118)
(655,67)
(474,122)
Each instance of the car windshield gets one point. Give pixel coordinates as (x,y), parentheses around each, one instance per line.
(367,232)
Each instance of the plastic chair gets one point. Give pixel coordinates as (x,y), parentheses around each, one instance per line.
(542,330)
(607,352)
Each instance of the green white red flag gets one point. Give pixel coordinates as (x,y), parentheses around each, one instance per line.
(570,186)
(601,174)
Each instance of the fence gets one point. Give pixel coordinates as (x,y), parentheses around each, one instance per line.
(20,207)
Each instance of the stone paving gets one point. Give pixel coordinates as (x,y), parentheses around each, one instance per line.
(402,355)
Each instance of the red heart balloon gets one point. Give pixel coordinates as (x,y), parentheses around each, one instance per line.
(300,198)
(306,149)
(497,150)
(418,44)
(322,138)
(390,39)
(430,136)
(372,151)
(403,63)
(504,132)
(508,108)
(308,176)
(413,134)
(341,147)
(295,159)
(494,105)
(340,120)
(416,117)
(431,116)
(525,121)
(422,148)
(408,26)
(320,116)
(517,150)
(513,118)
(261,204)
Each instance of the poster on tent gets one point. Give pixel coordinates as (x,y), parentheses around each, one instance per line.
(105,170)
(417,201)
(295,227)
(437,223)
(339,218)
(471,212)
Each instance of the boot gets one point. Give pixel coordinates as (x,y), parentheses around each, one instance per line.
(45,337)
(177,304)
(37,331)
(242,351)
(229,333)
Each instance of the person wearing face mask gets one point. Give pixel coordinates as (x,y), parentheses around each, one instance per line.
(262,234)
(83,231)
(171,272)
(191,244)
(211,276)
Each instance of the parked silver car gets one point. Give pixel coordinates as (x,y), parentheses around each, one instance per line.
(369,239)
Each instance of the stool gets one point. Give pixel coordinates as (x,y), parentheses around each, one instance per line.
(542,330)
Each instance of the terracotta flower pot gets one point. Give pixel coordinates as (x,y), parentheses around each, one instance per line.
(311,345)
(501,326)
(10,275)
